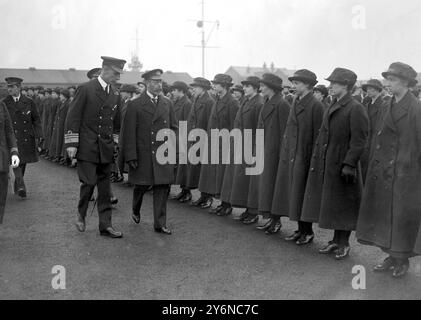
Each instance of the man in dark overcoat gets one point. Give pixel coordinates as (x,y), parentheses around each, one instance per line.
(390,213)
(27,128)
(299,141)
(147,117)
(8,154)
(334,186)
(92,128)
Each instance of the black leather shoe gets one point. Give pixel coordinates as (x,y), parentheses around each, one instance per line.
(305,239)
(216,210)
(265,226)
(342,252)
(388,264)
(401,269)
(114,201)
(294,237)
(198,202)
(241,217)
(80,223)
(163,230)
(330,248)
(225,213)
(274,228)
(22,193)
(251,220)
(186,198)
(207,204)
(111,233)
(136,218)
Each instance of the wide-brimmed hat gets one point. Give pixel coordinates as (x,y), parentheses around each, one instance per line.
(343,76)
(373,83)
(129,88)
(91,73)
(305,76)
(223,79)
(272,81)
(180,85)
(403,71)
(252,81)
(201,82)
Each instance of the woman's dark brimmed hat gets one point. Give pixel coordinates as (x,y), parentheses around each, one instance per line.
(91,73)
(180,85)
(272,81)
(305,76)
(343,76)
(402,71)
(201,82)
(322,89)
(373,83)
(223,79)
(252,81)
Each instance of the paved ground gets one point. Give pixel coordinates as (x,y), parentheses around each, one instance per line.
(207,257)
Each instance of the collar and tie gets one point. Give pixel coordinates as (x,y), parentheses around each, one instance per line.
(16,99)
(155,100)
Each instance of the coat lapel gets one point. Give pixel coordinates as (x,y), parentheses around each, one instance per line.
(222,103)
(338,104)
(388,120)
(402,107)
(269,107)
(99,91)
(161,108)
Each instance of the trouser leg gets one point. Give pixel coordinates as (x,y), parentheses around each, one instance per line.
(104,196)
(160,198)
(4,181)
(88,178)
(19,173)
(342,237)
(138,193)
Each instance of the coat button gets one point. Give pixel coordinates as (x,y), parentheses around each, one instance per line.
(379,133)
(378,147)
(312,169)
(392,162)
(374,177)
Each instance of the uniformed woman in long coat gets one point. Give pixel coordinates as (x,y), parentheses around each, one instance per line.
(57,138)
(390,213)
(222,117)
(272,119)
(248,117)
(8,154)
(198,119)
(299,141)
(182,109)
(334,186)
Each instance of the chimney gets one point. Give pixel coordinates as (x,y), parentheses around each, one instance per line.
(32,69)
(272,67)
(265,66)
(72,69)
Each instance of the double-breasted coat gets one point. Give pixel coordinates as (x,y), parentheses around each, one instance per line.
(247,117)
(27,127)
(93,123)
(52,114)
(222,117)
(122,165)
(182,109)
(300,137)
(57,138)
(390,213)
(198,119)
(374,111)
(272,119)
(143,121)
(8,145)
(328,199)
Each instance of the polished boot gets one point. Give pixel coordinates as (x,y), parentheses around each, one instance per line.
(225,212)
(136,218)
(111,233)
(388,264)
(22,193)
(207,204)
(330,248)
(163,230)
(342,252)
(275,227)
(401,268)
(242,216)
(217,209)
(186,198)
(178,196)
(199,201)
(305,239)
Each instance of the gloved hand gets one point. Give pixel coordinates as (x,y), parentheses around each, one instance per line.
(133,164)
(72,152)
(349,174)
(15,162)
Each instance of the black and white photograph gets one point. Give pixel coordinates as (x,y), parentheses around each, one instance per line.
(229,151)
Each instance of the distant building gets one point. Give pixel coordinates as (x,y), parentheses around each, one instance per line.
(239,74)
(72,77)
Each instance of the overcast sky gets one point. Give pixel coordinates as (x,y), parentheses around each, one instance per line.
(315,34)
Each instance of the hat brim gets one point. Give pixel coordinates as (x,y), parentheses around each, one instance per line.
(343,82)
(304,80)
(366,86)
(250,83)
(272,85)
(206,87)
(223,83)
(412,82)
